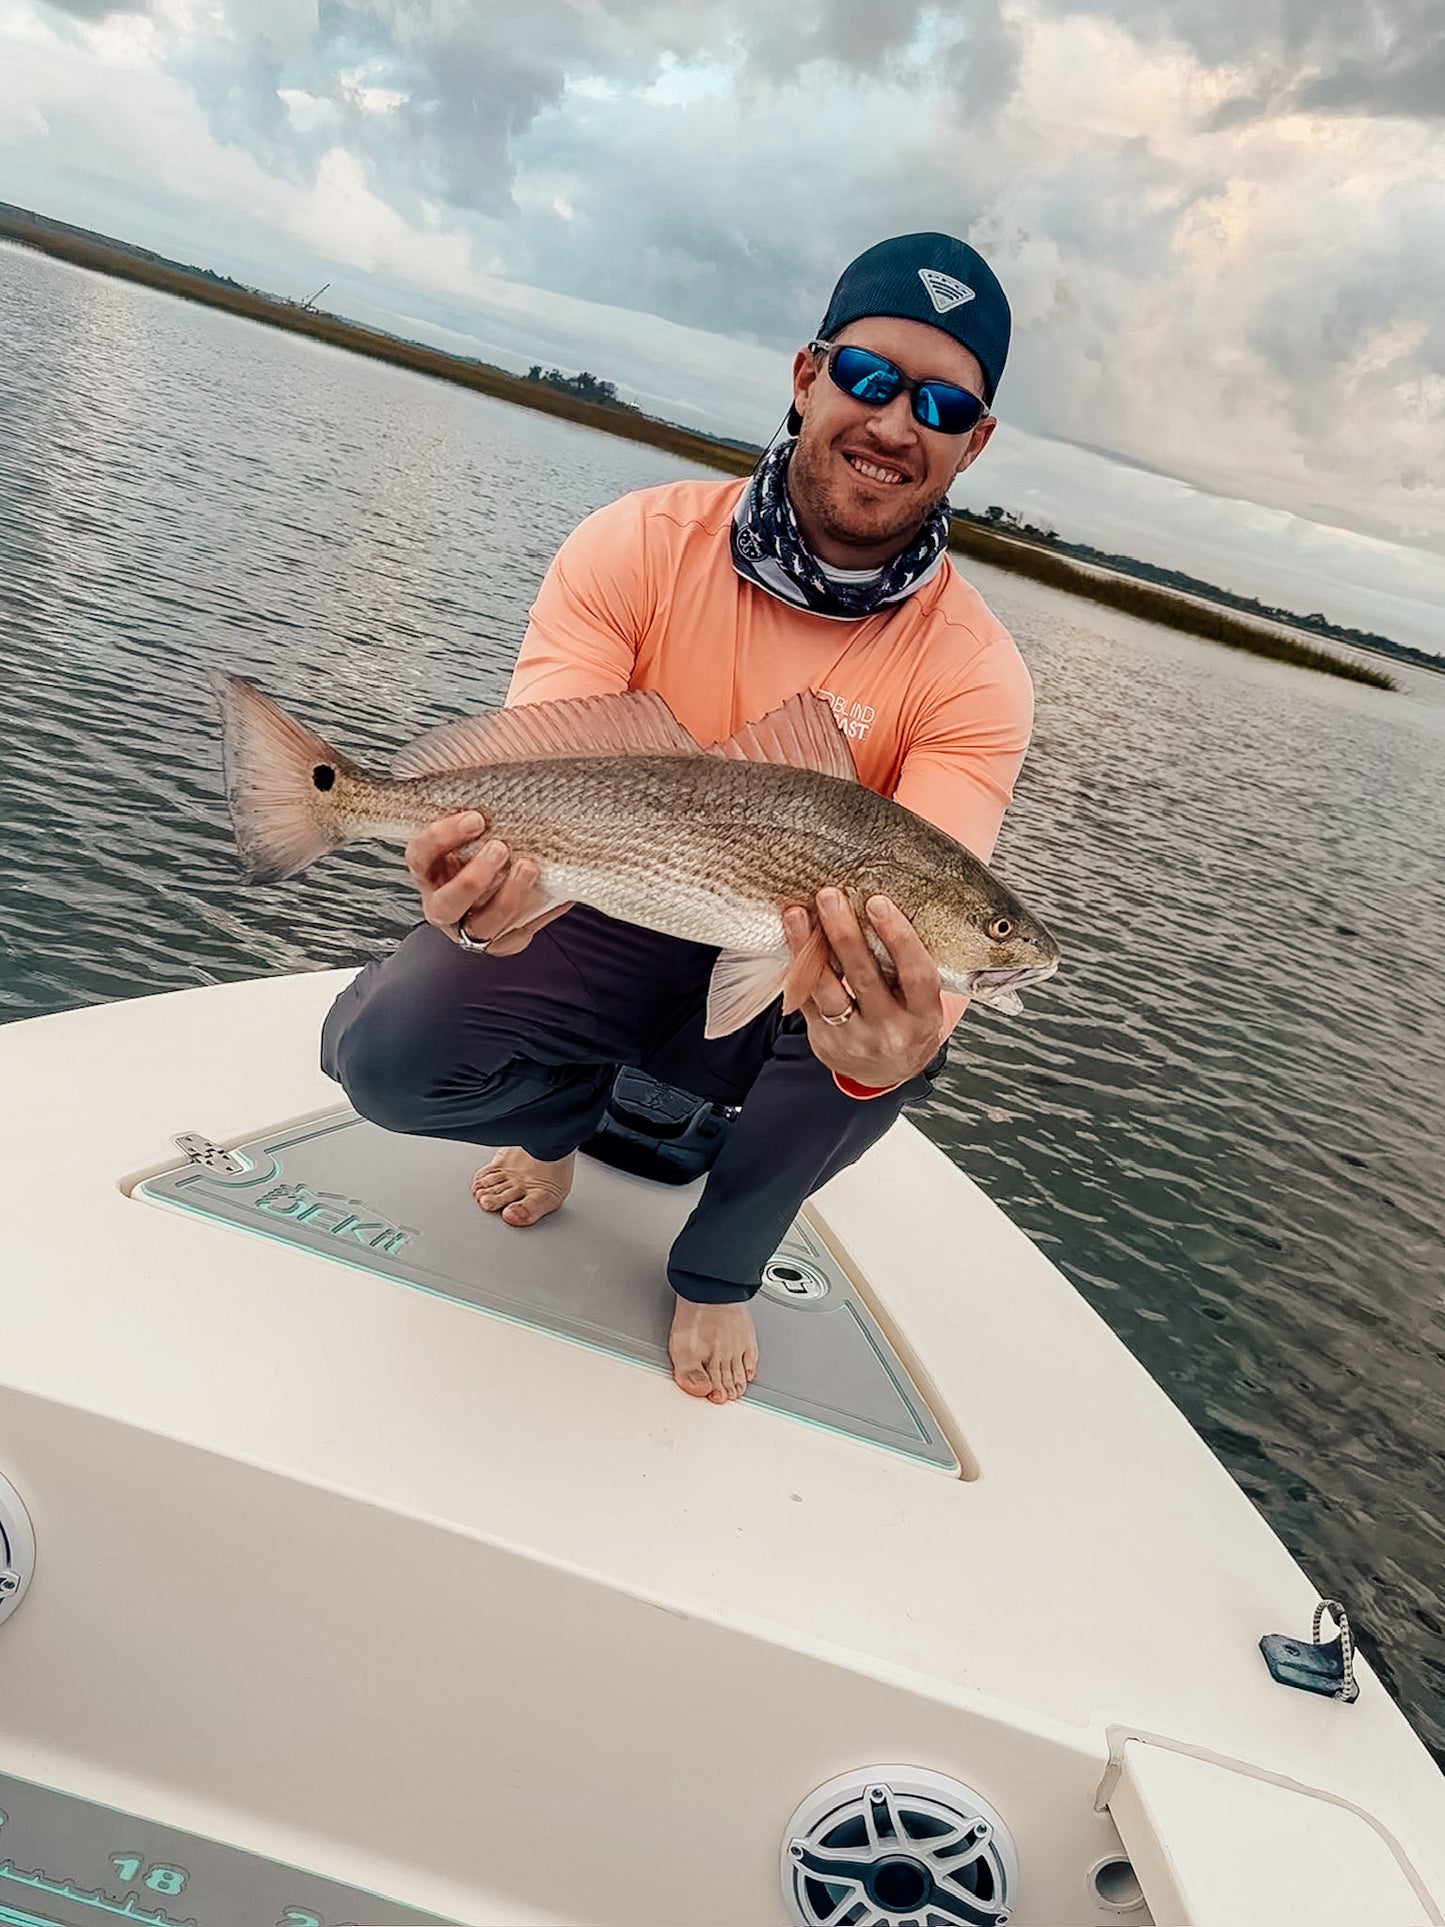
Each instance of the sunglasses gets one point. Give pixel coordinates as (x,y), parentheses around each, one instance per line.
(869,378)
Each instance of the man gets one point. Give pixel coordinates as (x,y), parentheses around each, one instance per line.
(826,570)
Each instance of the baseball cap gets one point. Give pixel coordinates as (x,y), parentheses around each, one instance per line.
(931,278)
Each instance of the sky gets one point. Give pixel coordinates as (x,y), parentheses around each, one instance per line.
(1220,223)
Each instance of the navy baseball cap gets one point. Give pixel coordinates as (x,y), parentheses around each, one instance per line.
(930,278)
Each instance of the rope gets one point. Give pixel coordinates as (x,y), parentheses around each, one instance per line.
(1348,1689)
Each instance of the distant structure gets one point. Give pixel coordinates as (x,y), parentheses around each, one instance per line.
(1009,519)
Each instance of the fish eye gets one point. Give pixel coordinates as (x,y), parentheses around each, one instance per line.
(1000,928)
(323,776)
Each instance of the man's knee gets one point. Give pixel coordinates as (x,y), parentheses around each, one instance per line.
(379,1055)
(386,1048)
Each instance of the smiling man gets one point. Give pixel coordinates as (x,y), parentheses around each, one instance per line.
(826,570)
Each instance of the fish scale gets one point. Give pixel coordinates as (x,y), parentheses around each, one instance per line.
(706,846)
(756,832)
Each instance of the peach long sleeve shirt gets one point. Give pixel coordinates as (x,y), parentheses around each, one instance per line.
(931,693)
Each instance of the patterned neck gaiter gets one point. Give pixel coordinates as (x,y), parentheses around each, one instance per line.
(769,551)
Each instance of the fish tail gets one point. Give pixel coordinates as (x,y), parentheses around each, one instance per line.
(280,781)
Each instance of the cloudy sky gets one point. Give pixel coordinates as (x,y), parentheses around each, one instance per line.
(1221,223)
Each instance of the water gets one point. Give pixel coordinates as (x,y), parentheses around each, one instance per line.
(1226,1118)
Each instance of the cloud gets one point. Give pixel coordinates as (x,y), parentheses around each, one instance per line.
(97,9)
(1322,56)
(1221,224)
(1410,82)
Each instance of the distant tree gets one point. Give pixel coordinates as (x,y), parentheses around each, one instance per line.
(585,386)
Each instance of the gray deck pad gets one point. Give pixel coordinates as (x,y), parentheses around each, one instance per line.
(594,1273)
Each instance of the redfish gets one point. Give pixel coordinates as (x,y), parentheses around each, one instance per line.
(623,810)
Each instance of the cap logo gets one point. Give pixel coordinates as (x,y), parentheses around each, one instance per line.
(943,291)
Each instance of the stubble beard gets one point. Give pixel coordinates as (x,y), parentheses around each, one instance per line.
(813,491)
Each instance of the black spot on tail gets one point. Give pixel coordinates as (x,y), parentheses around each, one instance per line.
(324,776)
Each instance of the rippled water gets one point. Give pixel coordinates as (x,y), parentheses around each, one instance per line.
(1225,1119)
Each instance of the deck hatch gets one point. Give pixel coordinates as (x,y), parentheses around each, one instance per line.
(401,1207)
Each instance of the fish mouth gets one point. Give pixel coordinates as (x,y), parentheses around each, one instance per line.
(999,989)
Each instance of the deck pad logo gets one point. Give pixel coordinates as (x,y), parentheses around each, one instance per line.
(349,1220)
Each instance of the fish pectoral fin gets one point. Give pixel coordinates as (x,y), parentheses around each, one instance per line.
(743,984)
(636,723)
(801,732)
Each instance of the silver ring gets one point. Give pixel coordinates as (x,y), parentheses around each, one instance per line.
(475,944)
(841,1018)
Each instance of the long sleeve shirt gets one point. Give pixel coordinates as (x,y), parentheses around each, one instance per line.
(931,693)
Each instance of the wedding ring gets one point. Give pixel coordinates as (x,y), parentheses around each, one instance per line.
(841,1018)
(470,943)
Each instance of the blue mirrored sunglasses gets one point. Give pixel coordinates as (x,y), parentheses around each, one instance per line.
(869,378)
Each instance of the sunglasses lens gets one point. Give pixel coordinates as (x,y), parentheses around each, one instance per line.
(865,377)
(952,411)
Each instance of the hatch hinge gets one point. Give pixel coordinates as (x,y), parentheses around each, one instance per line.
(200,1150)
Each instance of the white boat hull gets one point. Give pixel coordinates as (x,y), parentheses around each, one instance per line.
(430,1603)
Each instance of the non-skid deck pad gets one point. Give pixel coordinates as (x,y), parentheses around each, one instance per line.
(594,1273)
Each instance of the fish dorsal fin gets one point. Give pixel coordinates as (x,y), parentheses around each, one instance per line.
(637,723)
(801,732)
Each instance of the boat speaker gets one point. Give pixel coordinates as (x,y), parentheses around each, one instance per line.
(897,1846)
(17,1550)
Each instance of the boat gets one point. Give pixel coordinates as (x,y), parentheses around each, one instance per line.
(361,1564)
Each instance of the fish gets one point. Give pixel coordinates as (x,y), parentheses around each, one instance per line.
(622,809)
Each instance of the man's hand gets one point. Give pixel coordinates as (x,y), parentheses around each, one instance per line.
(897,1027)
(488,892)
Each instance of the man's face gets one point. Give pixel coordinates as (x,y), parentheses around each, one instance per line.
(864,479)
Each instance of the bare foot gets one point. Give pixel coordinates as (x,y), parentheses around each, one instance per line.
(522,1188)
(714,1350)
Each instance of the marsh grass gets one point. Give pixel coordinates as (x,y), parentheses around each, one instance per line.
(1161,606)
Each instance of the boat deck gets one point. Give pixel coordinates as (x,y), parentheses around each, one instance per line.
(359,1549)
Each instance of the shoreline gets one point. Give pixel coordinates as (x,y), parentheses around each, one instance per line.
(1129,594)
(1166,608)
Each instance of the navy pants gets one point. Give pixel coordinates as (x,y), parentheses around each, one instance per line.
(523,1050)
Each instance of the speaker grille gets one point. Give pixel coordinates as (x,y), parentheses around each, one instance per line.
(895,1846)
(17,1549)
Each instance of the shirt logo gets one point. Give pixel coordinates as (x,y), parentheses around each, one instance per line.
(943,291)
(853,719)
